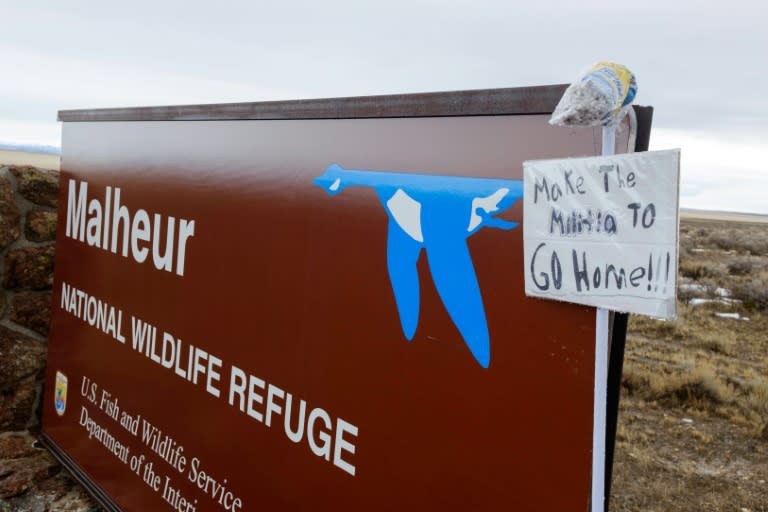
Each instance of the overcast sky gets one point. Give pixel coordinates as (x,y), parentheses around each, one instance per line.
(702,65)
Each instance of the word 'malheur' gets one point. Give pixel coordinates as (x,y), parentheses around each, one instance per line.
(112,227)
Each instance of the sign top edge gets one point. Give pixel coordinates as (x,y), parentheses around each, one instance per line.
(477,102)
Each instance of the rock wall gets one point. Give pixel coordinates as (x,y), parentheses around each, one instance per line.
(30,478)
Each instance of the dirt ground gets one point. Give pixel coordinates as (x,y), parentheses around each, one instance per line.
(692,433)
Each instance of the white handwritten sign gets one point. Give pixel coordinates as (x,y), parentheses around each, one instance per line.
(602,231)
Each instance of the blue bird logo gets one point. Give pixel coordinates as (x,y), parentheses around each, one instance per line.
(436,214)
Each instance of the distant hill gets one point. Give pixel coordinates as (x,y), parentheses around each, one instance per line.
(30,148)
(692,214)
(44,157)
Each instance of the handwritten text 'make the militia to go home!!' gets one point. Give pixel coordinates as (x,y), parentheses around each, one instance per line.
(603,221)
(603,227)
(578,221)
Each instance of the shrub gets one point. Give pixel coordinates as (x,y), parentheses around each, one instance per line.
(685,295)
(722,239)
(714,342)
(753,241)
(633,379)
(752,292)
(685,245)
(658,329)
(758,396)
(698,270)
(740,267)
(701,389)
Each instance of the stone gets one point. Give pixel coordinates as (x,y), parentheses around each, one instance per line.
(17,404)
(41,226)
(41,186)
(78,501)
(19,475)
(20,357)
(17,445)
(22,360)
(56,491)
(57,486)
(31,479)
(30,502)
(45,496)
(31,491)
(32,310)
(30,268)
(9,215)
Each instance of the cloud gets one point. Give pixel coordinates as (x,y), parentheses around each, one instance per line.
(718,173)
(30,132)
(86,83)
(698,63)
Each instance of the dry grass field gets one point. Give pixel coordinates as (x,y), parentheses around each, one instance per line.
(693,421)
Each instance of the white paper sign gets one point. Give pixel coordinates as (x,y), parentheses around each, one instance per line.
(602,231)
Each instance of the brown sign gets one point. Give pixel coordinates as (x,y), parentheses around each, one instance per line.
(313,313)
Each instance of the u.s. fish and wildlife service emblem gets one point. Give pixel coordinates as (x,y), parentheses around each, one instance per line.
(60,395)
